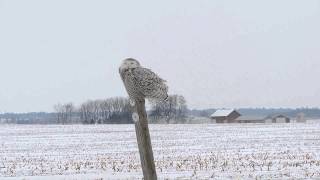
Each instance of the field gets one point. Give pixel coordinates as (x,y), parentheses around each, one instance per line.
(234,151)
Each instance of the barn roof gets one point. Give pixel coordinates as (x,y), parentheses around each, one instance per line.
(222,112)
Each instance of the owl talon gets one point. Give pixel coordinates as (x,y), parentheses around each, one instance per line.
(132,102)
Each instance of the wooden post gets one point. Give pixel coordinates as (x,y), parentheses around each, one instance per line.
(144,141)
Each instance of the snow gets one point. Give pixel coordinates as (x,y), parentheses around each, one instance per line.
(226,151)
(222,112)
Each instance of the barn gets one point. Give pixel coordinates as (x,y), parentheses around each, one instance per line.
(250,119)
(278,118)
(225,116)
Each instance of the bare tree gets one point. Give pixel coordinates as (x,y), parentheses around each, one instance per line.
(112,110)
(69,110)
(175,108)
(182,109)
(64,113)
(59,111)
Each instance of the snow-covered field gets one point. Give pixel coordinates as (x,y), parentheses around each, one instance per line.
(231,151)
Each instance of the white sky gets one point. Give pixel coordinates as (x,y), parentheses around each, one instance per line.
(215,53)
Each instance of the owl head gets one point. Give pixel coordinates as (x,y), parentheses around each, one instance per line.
(128,64)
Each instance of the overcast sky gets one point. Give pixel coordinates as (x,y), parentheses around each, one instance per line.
(215,53)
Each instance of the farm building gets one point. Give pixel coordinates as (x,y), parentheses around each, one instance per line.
(278,119)
(233,116)
(251,119)
(268,119)
(225,116)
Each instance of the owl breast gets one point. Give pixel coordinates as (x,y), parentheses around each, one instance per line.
(132,86)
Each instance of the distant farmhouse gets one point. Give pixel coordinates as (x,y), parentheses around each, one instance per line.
(225,116)
(233,116)
(252,119)
(278,119)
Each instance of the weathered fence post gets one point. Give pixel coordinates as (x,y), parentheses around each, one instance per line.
(142,83)
(144,141)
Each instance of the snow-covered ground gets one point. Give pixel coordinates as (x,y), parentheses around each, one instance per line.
(230,151)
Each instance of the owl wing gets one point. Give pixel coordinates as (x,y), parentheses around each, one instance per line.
(150,84)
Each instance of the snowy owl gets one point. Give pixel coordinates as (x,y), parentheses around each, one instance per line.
(141,82)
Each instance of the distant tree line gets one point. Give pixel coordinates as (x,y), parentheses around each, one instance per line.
(311,113)
(65,113)
(108,111)
(28,118)
(118,111)
(173,110)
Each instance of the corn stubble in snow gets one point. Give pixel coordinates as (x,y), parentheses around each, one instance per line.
(280,151)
